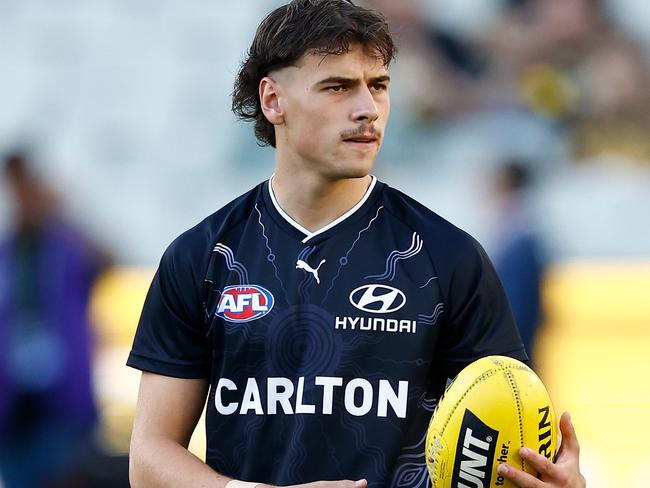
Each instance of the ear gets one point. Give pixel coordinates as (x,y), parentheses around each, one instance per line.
(270,100)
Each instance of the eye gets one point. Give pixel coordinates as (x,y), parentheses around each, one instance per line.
(335,88)
(379,87)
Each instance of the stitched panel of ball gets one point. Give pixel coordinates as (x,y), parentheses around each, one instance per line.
(510,378)
(478,380)
(518,367)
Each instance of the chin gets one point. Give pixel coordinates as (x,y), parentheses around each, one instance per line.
(360,173)
(356,168)
(356,171)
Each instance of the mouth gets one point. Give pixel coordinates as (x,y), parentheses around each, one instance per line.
(362,140)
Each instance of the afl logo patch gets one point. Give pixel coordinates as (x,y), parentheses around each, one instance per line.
(243,303)
(377,298)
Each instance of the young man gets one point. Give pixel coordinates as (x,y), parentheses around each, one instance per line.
(322,312)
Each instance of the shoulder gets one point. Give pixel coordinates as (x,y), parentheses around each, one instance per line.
(196,243)
(445,242)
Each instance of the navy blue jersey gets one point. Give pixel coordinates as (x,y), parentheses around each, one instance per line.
(326,351)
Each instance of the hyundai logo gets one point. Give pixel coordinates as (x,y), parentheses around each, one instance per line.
(377,298)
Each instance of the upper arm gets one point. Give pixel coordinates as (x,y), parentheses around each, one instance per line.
(171,338)
(479,320)
(168,408)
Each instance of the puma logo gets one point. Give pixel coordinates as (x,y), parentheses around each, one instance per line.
(300,264)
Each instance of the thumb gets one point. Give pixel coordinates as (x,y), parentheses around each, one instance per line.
(363,483)
(570,443)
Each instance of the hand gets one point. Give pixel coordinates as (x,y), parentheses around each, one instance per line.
(565,473)
(328,484)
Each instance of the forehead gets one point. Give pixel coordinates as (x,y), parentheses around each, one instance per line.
(356,63)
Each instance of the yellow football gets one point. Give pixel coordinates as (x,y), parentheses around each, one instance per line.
(494,406)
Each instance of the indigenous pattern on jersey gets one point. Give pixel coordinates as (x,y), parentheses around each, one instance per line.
(326,351)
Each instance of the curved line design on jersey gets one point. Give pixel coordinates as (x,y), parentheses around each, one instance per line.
(395,256)
(233,459)
(226,464)
(297,449)
(409,473)
(271,256)
(433,318)
(301,342)
(210,313)
(415,446)
(306,252)
(363,230)
(429,281)
(334,455)
(232,265)
(429,404)
(343,261)
(255,423)
(361,444)
(306,282)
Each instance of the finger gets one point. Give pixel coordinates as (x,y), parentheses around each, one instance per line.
(362,483)
(542,465)
(569,438)
(334,484)
(520,478)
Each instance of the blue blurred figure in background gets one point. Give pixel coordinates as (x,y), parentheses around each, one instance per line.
(47,410)
(518,255)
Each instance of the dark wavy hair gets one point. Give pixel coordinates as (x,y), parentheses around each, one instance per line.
(301,26)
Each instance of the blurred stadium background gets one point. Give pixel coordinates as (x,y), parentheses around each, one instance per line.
(125,106)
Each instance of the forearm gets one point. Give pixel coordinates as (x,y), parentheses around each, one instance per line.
(162,463)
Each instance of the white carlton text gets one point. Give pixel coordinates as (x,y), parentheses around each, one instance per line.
(285,396)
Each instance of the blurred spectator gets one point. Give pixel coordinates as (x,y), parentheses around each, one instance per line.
(47,411)
(437,69)
(518,256)
(566,60)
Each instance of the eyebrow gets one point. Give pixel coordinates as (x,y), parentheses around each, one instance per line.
(342,80)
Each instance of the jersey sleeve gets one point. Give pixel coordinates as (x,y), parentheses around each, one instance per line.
(479,320)
(171,339)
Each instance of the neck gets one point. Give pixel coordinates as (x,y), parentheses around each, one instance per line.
(313,200)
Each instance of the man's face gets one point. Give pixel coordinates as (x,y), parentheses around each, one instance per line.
(335,109)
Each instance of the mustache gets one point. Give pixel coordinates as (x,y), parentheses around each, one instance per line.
(361,130)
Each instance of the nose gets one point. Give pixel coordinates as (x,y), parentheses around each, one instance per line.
(365,108)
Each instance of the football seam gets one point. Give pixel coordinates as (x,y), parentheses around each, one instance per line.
(478,380)
(515,393)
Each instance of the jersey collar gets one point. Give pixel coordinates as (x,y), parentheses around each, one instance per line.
(305,234)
